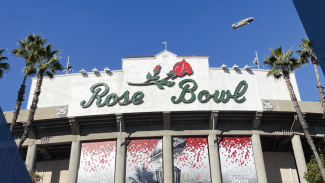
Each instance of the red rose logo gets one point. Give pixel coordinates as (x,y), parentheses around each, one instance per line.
(182,68)
(179,69)
(198,176)
(156,69)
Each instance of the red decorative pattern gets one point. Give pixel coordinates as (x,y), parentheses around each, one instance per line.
(238,149)
(97,155)
(138,153)
(195,151)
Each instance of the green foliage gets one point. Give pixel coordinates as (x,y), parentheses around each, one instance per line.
(314,175)
(46,63)
(29,50)
(306,52)
(49,61)
(3,65)
(280,63)
(38,57)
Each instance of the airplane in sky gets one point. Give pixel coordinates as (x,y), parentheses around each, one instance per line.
(242,23)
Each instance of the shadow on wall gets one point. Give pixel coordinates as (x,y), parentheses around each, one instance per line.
(142,176)
(53,171)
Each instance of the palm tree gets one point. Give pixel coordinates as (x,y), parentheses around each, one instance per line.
(281,65)
(47,66)
(3,65)
(305,53)
(28,50)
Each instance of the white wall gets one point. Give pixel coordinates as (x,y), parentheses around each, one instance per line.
(71,89)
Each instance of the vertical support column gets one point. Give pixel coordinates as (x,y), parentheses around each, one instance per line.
(120,160)
(214,159)
(168,158)
(31,156)
(166,120)
(74,159)
(258,157)
(299,157)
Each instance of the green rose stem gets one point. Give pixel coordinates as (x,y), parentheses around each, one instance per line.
(148,83)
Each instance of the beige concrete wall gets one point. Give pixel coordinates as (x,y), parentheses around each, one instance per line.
(53,171)
(287,106)
(280,167)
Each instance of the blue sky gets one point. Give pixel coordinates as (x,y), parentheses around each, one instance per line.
(99,33)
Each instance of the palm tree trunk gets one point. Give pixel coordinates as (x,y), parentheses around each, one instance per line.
(20,99)
(320,89)
(33,108)
(303,123)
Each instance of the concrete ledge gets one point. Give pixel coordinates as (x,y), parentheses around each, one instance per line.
(41,113)
(115,135)
(287,106)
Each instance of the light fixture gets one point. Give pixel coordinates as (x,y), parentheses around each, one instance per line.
(235,67)
(83,71)
(223,66)
(94,70)
(247,67)
(107,69)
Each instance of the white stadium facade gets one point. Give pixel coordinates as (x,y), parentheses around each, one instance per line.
(168,118)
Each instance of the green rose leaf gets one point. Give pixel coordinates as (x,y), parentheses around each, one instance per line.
(174,76)
(163,81)
(170,83)
(160,86)
(171,72)
(149,76)
(154,77)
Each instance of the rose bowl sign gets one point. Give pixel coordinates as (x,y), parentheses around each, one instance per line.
(102,97)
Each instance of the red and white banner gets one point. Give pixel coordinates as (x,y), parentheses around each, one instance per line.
(237,160)
(144,161)
(97,162)
(191,160)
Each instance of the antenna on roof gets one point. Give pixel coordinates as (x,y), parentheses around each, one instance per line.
(165,43)
(256,62)
(69,66)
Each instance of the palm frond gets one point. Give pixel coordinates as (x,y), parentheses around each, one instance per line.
(269,60)
(49,61)
(275,73)
(4,66)
(294,64)
(307,52)
(281,63)
(289,54)
(56,66)
(278,53)
(1,57)
(304,56)
(29,50)
(30,72)
(49,74)
(1,51)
